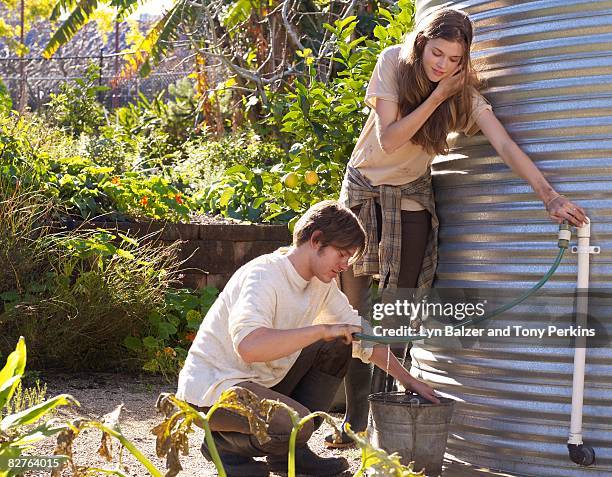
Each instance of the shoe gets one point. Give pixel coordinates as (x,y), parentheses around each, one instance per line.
(344,442)
(237,465)
(309,463)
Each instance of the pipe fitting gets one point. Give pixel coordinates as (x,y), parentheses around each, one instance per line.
(585,230)
(565,235)
(581,454)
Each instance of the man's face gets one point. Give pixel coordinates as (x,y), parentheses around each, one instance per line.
(441,58)
(329,262)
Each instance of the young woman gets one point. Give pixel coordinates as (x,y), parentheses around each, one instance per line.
(420,91)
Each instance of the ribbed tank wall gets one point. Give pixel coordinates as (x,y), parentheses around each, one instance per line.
(548,67)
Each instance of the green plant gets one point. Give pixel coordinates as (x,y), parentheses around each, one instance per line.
(24,218)
(106,151)
(95,288)
(24,398)
(180,416)
(17,430)
(171,330)
(320,119)
(206,159)
(6,103)
(45,159)
(76,108)
(181,118)
(163,124)
(151,197)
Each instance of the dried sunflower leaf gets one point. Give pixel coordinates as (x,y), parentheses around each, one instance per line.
(248,404)
(110,420)
(173,463)
(377,461)
(63,446)
(165,405)
(163,432)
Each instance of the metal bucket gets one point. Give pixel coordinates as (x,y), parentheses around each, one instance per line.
(411,426)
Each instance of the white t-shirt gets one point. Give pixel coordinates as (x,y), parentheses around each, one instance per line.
(266,292)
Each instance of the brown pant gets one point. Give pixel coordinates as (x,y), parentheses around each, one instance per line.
(310,385)
(416,227)
(415,233)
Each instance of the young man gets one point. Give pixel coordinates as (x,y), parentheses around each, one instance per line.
(282,329)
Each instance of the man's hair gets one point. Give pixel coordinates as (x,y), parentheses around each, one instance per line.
(338,227)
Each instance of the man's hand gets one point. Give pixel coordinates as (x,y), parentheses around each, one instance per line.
(387,361)
(424,390)
(345,331)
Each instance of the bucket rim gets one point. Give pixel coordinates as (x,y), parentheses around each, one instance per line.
(390,398)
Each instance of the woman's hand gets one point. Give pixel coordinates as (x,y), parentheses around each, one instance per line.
(450,85)
(560,209)
(424,390)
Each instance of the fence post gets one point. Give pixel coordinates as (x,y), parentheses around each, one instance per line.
(23,99)
(101,79)
(115,102)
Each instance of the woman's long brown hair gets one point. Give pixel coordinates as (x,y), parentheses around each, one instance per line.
(415,86)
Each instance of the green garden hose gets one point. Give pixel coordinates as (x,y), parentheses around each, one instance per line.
(563,244)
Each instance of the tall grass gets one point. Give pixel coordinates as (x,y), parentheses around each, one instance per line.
(23,219)
(75,295)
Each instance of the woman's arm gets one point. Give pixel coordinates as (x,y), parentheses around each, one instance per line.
(558,206)
(381,356)
(393,133)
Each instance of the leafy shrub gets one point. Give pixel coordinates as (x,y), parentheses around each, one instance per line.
(6,103)
(321,120)
(152,197)
(75,108)
(264,194)
(44,158)
(161,126)
(206,159)
(108,152)
(171,330)
(180,120)
(76,294)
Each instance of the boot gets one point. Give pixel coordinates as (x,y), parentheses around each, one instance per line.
(357,382)
(237,465)
(309,463)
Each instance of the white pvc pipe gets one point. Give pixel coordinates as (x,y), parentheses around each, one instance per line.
(582,305)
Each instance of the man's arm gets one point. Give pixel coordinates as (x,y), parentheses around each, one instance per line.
(381,354)
(268,344)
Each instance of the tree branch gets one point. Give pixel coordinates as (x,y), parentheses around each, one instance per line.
(294,38)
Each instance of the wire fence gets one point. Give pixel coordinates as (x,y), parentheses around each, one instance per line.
(36,78)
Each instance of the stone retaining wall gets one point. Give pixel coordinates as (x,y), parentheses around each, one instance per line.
(213,252)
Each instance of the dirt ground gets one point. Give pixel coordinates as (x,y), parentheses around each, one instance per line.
(99,394)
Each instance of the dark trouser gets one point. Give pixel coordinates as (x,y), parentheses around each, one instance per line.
(310,385)
(416,227)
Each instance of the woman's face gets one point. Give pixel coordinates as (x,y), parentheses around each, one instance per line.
(441,58)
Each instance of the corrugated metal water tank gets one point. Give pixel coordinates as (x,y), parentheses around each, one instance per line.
(548,65)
